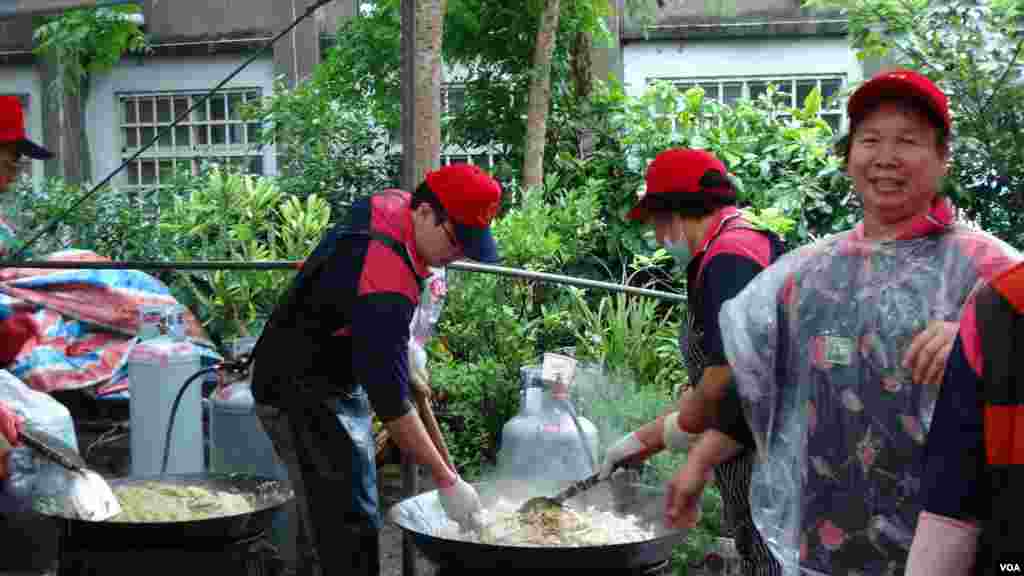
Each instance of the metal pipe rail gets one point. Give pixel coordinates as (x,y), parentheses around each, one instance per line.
(296,264)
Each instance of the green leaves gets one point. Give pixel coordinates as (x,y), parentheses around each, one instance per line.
(89,41)
(230,216)
(974,51)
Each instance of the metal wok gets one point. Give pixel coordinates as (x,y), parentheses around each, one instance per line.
(422,515)
(266,496)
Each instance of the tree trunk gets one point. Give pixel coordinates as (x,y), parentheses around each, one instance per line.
(582,65)
(540,97)
(427,104)
(583,84)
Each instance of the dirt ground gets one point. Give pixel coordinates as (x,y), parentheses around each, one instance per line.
(389,485)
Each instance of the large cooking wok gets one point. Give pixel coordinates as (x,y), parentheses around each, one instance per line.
(422,515)
(265,494)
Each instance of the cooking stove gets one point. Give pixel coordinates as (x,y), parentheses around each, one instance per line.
(247,557)
(662,569)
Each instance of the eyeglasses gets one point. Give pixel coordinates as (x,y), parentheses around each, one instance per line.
(451,236)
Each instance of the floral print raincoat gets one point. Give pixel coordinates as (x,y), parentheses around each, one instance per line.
(816,344)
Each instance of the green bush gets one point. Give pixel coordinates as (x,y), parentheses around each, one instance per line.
(225,215)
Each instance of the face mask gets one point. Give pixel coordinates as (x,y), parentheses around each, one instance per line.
(679,251)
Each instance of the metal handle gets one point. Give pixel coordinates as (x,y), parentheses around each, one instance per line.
(576,488)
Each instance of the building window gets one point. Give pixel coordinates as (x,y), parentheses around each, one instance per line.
(484,158)
(453,99)
(453,102)
(791,91)
(213,132)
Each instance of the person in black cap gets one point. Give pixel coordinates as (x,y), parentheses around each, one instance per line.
(691,202)
(336,344)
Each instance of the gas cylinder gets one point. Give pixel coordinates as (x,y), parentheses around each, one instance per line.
(546,441)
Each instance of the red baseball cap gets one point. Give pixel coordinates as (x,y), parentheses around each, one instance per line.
(12,129)
(696,173)
(898,84)
(472,198)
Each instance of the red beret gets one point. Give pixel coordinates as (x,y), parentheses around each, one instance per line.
(684,171)
(12,129)
(472,198)
(898,84)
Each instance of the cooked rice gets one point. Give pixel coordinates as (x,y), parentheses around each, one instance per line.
(502,524)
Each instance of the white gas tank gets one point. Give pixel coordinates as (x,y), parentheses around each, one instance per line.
(157,369)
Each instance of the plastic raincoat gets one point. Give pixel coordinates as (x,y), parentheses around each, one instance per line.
(816,343)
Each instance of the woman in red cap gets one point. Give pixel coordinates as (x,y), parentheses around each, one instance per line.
(837,350)
(337,344)
(691,202)
(13,145)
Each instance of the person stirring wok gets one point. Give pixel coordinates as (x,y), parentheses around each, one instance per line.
(337,344)
(691,203)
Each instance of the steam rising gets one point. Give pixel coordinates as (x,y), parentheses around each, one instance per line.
(610,401)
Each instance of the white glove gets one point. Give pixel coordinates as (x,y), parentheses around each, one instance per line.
(676,439)
(942,547)
(459,500)
(628,446)
(418,375)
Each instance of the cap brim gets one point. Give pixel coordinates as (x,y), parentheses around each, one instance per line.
(477,243)
(33,150)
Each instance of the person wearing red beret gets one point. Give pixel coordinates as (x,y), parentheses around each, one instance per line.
(337,345)
(837,350)
(973,479)
(690,200)
(14,145)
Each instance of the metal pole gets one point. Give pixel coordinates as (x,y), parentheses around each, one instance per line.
(410,472)
(560,279)
(464,265)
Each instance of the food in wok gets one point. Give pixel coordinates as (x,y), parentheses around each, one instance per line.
(166,502)
(563,527)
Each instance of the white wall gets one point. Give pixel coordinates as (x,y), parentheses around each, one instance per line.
(732,57)
(25,80)
(163,75)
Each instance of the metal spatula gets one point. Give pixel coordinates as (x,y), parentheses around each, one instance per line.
(540,503)
(89,496)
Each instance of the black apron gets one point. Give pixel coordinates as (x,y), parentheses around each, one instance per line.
(732,477)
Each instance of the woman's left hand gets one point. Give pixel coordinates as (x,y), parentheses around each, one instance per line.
(929,350)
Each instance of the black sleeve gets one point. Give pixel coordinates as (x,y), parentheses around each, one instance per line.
(723,278)
(951,485)
(731,421)
(380,340)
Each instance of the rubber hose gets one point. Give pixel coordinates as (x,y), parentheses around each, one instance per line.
(174,411)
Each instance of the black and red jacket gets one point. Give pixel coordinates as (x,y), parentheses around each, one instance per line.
(345,319)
